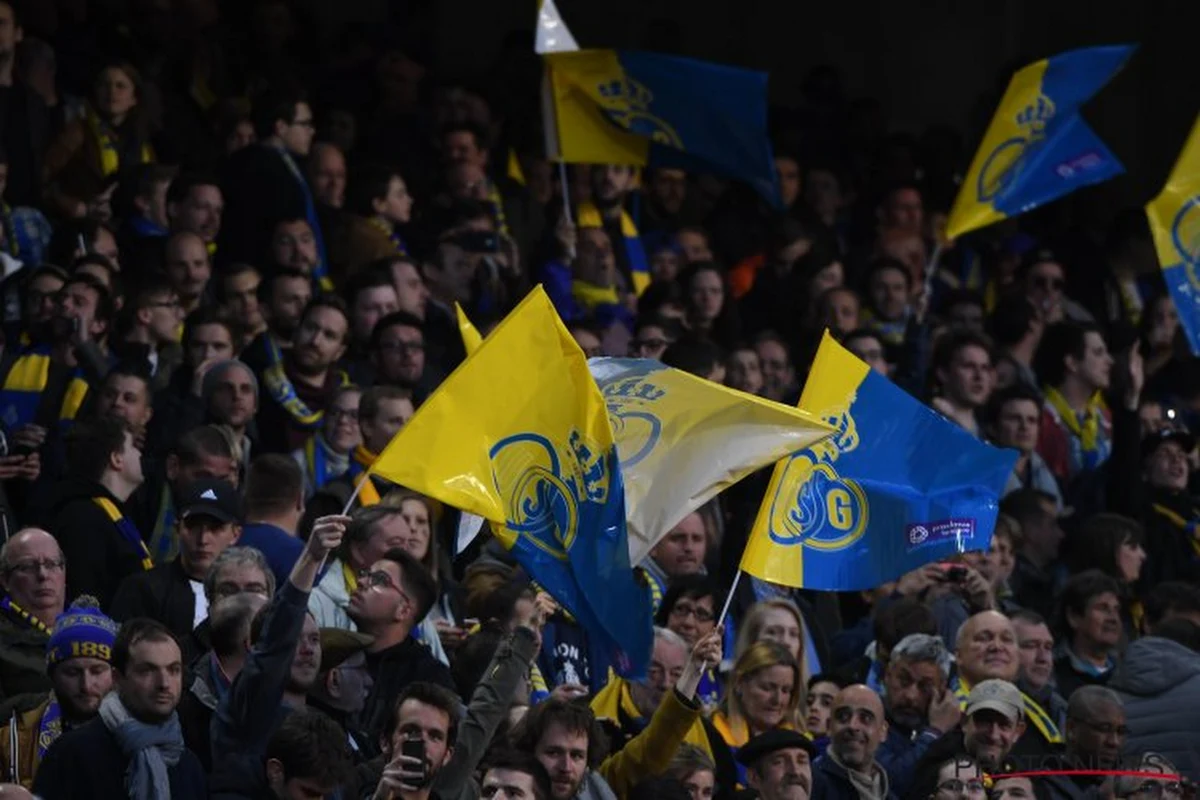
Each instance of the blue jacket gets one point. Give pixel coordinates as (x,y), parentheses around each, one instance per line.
(899,753)
(279,547)
(830,781)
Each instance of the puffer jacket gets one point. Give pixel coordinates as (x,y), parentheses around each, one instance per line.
(1159,681)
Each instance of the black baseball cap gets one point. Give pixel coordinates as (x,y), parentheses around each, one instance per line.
(209,498)
(1152,441)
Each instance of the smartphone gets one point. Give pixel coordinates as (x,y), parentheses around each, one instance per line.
(415,748)
(478,241)
(956,574)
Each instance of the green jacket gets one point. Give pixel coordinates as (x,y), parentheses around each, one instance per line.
(22,659)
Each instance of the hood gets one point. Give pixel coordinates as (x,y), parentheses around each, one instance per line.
(1154,665)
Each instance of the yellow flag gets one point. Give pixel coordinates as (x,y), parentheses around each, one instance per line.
(1175,223)
(518,425)
(585,135)
(470,334)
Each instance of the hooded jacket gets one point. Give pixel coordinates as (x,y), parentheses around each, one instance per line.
(1159,681)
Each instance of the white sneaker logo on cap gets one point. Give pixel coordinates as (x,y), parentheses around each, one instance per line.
(209,494)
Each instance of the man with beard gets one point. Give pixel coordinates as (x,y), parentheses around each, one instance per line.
(195,205)
(282,297)
(920,707)
(297,389)
(611,185)
(134,746)
(779,765)
(280,669)
(78,658)
(848,770)
(986,648)
(398,353)
(993,721)
(392,595)
(49,379)
(425,713)
(188,268)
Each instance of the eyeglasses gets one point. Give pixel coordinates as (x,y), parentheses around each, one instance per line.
(380,579)
(975,786)
(30,568)
(1104,728)
(1158,789)
(702,615)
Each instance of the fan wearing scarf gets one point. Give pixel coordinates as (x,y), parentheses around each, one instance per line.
(1076,430)
(33,577)
(134,748)
(78,661)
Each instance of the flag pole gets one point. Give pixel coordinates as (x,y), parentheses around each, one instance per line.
(729,599)
(566,190)
(354,495)
(930,271)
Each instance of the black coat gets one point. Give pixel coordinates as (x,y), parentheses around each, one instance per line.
(98,556)
(259,192)
(25,132)
(163,594)
(393,670)
(830,781)
(87,762)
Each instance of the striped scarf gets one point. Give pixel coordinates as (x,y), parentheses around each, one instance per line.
(321,272)
(22,391)
(389,230)
(588,216)
(127,529)
(110,154)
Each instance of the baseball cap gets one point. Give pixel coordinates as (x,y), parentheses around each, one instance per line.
(996,695)
(1151,441)
(216,499)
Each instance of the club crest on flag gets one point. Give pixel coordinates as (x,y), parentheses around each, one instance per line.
(815,506)
(549,491)
(1004,165)
(635,426)
(1185,236)
(628,103)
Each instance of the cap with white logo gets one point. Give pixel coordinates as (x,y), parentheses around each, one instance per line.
(209,498)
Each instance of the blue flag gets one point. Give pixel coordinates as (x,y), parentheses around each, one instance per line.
(622,107)
(897,486)
(1037,147)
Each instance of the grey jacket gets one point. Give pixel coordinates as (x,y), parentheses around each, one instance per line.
(1159,680)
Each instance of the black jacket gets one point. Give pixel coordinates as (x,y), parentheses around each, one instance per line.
(259,192)
(253,708)
(830,781)
(88,762)
(393,670)
(25,133)
(98,556)
(163,594)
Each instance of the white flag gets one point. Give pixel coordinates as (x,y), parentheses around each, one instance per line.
(553,36)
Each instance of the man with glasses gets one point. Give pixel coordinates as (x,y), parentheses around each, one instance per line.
(1095,733)
(397,353)
(392,595)
(34,578)
(1160,780)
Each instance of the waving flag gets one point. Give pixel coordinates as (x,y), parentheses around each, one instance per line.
(1175,223)
(1037,147)
(895,487)
(682,440)
(622,107)
(539,462)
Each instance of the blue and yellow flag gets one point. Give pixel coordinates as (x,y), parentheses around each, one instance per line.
(1037,147)
(622,107)
(539,462)
(1175,223)
(895,487)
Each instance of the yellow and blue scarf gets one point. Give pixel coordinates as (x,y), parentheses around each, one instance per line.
(316,459)
(127,529)
(320,274)
(283,392)
(110,154)
(49,728)
(22,391)
(22,617)
(497,203)
(164,544)
(1187,527)
(1084,426)
(389,230)
(1034,713)
(588,216)
(360,461)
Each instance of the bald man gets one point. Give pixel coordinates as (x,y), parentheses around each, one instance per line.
(188,268)
(987,649)
(34,579)
(848,770)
